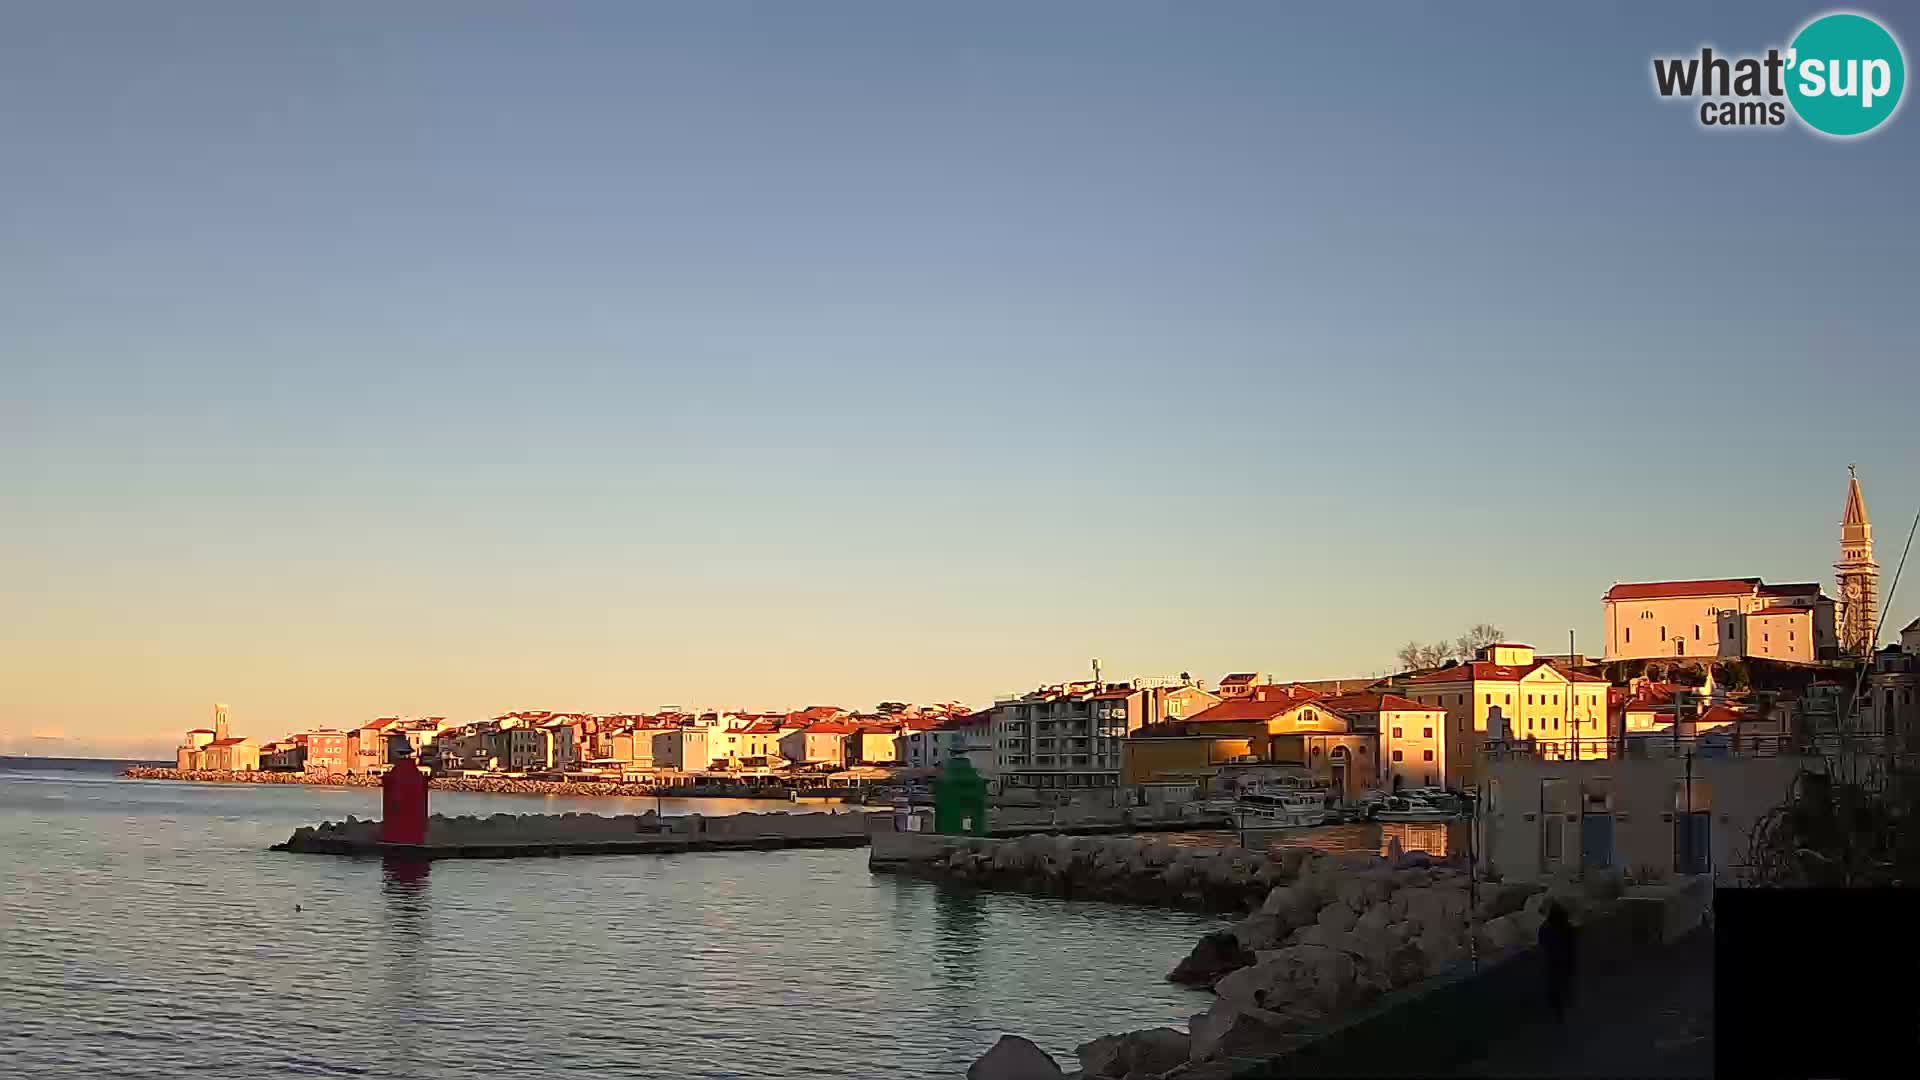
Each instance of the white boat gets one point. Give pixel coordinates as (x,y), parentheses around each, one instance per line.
(1412,808)
(1281,810)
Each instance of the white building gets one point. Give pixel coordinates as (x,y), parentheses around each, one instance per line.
(1720,617)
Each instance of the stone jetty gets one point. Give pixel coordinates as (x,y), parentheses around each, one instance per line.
(521,835)
(1318,937)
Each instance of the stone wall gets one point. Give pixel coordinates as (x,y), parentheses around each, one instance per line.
(543,828)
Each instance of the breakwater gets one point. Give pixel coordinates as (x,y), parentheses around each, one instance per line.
(1319,939)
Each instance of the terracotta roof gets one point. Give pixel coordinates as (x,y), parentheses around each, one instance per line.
(1264,706)
(1658,590)
(226,742)
(1783,610)
(1482,671)
(1112,695)
(830,727)
(1376,703)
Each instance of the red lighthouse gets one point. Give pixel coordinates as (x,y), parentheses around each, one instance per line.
(403,802)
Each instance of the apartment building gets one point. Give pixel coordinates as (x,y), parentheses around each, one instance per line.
(1071,735)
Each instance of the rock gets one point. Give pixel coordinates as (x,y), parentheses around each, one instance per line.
(1319,978)
(1498,900)
(1149,1052)
(1215,955)
(1256,932)
(1413,859)
(1436,908)
(1375,919)
(1416,878)
(1498,935)
(1227,1030)
(1337,916)
(1014,1058)
(1293,904)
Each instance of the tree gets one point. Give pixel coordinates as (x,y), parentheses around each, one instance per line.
(1414,655)
(1477,637)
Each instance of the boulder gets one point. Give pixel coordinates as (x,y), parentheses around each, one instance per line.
(1293,904)
(1215,955)
(1257,932)
(1375,919)
(1498,900)
(1228,1030)
(1606,884)
(1014,1058)
(1337,916)
(1500,934)
(1317,977)
(1149,1052)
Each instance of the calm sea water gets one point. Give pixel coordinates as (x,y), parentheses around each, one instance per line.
(146,931)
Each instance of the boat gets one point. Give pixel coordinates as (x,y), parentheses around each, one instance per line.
(1413,808)
(1282,810)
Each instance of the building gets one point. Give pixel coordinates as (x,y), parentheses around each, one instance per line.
(327,752)
(1507,694)
(1724,618)
(823,742)
(1857,576)
(1678,814)
(1072,735)
(367,745)
(874,744)
(190,754)
(1891,709)
(231,755)
(931,747)
(1274,729)
(1412,737)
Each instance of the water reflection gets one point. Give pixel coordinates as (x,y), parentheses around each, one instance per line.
(405,900)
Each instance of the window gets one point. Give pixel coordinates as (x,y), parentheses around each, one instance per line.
(1696,631)
(1529,699)
(1509,699)
(1629,635)
(1429,755)
(1764,637)
(1429,733)
(1396,733)
(1663,633)
(1556,723)
(1489,700)
(1316,751)
(1789,635)
(1396,755)
(1729,630)
(1529,723)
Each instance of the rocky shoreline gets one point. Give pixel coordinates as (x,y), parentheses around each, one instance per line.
(1321,937)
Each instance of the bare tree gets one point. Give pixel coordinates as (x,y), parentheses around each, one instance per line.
(1415,655)
(1477,637)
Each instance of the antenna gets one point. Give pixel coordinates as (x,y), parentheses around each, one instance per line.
(1096,673)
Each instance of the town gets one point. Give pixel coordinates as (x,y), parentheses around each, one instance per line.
(1724,668)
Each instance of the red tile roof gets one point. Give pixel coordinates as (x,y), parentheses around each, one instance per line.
(226,742)
(830,727)
(1262,706)
(1660,590)
(1370,703)
(1482,671)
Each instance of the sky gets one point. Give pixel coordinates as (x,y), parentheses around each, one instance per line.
(458,358)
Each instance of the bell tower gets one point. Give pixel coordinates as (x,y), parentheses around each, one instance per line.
(1857,575)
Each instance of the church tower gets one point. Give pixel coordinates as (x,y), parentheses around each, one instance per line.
(1857,575)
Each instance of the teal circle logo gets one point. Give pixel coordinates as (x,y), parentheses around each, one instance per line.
(1845,74)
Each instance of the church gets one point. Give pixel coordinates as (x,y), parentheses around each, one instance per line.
(1747,618)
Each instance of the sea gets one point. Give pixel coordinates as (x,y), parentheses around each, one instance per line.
(147,931)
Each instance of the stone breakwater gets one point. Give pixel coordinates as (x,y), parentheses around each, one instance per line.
(485,785)
(1320,936)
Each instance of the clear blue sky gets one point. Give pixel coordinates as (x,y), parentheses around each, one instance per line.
(455,358)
